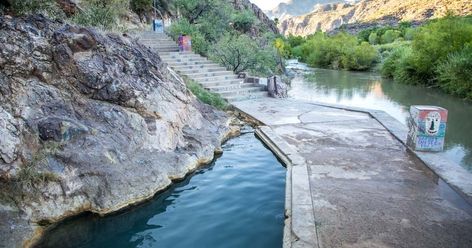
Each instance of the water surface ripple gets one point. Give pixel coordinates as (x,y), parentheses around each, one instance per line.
(237,201)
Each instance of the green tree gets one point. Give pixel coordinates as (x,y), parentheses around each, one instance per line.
(240,53)
(390,36)
(243,21)
(373,39)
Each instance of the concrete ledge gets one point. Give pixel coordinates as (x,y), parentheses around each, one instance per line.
(452,173)
(300,227)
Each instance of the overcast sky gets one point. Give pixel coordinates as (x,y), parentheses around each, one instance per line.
(267,4)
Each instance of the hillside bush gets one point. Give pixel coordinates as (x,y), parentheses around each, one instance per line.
(455,73)
(207,97)
(101,13)
(243,20)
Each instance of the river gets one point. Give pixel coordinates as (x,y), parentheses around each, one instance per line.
(370,90)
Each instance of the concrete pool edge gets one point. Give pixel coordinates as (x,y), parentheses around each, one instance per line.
(453,174)
(300,226)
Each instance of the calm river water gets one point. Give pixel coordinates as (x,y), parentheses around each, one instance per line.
(370,90)
(237,201)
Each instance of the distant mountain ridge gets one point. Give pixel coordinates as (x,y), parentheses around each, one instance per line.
(297,7)
(331,16)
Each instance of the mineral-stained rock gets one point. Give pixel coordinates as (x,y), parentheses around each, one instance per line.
(89,122)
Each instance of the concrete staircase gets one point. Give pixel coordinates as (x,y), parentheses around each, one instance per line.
(208,74)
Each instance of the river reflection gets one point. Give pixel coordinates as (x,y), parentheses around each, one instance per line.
(369,90)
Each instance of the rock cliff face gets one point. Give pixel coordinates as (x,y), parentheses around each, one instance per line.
(297,7)
(89,122)
(331,16)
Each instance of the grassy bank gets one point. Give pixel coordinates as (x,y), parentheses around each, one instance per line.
(437,54)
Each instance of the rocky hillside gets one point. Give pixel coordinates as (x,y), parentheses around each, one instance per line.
(297,7)
(260,15)
(89,122)
(332,16)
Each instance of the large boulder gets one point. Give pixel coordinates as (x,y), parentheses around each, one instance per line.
(89,122)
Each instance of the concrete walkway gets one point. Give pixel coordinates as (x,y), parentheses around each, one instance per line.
(351,183)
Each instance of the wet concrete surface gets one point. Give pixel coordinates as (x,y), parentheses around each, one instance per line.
(365,188)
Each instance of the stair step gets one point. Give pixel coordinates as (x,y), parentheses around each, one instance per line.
(188,67)
(252,95)
(200,70)
(234,81)
(229,87)
(215,78)
(180,63)
(211,74)
(240,91)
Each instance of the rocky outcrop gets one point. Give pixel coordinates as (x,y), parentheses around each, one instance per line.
(89,122)
(263,18)
(332,16)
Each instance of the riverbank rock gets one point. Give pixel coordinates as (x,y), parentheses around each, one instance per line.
(89,122)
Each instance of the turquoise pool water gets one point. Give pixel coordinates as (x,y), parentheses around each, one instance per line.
(235,202)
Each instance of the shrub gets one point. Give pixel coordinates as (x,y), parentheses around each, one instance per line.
(373,38)
(243,21)
(207,97)
(435,41)
(359,58)
(454,74)
(241,53)
(390,36)
(339,51)
(103,14)
(283,48)
(389,64)
(409,34)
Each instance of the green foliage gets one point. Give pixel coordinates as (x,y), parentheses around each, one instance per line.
(47,7)
(207,97)
(385,35)
(373,38)
(227,35)
(243,20)
(390,36)
(435,41)
(295,41)
(341,51)
(199,43)
(439,56)
(103,14)
(358,58)
(455,73)
(409,33)
(283,47)
(241,53)
(141,6)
